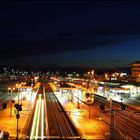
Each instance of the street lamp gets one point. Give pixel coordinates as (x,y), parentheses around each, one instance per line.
(78,102)
(110,101)
(17,115)
(90,75)
(18,86)
(22,84)
(89,95)
(31,92)
(11,89)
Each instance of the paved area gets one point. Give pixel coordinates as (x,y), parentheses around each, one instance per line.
(89,126)
(9,123)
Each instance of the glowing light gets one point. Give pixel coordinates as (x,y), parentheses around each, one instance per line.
(39,112)
(83,83)
(18,85)
(35,116)
(11,88)
(36,78)
(38,116)
(42,130)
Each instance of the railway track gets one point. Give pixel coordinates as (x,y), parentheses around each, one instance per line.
(49,120)
(59,124)
(127,120)
(38,124)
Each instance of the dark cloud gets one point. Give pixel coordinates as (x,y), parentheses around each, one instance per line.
(53,27)
(60,42)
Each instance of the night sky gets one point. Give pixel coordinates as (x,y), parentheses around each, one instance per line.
(101,34)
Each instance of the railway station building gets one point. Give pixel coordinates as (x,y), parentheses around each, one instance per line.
(135,70)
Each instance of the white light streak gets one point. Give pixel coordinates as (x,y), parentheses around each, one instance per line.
(42,130)
(33,126)
(38,118)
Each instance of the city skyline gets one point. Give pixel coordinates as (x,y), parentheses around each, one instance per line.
(99,34)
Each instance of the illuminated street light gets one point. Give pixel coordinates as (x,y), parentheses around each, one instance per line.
(22,84)
(89,95)
(18,86)
(90,76)
(11,89)
(110,100)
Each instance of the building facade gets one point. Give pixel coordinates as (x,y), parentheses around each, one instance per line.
(135,70)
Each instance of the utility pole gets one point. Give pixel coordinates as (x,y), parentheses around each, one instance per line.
(31,92)
(122,108)
(90,98)
(17,116)
(11,104)
(111,119)
(78,99)
(111,123)
(18,108)
(11,91)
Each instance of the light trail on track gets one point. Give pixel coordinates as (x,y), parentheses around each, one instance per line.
(37,129)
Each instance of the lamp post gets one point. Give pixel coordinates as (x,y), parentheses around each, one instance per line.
(31,92)
(22,84)
(90,76)
(18,86)
(90,98)
(17,115)
(78,98)
(11,89)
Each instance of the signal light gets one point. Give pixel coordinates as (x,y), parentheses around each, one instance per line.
(18,107)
